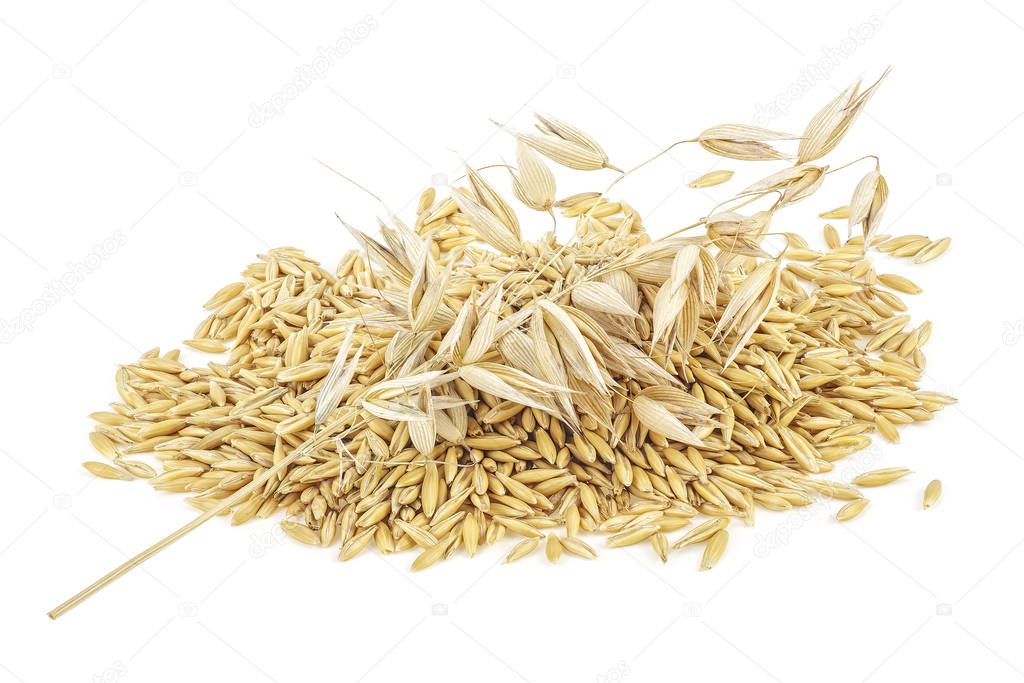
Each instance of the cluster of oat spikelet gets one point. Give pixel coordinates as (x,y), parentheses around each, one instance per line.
(450,383)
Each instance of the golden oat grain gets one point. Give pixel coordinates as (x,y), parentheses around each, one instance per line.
(932,492)
(899,283)
(881,477)
(933,250)
(702,532)
(578,548)
(632,536)
(837,213)
(106,471)
(851,509)
(300,532)
(711,178)
(714,549)
(522,549)
(553,549)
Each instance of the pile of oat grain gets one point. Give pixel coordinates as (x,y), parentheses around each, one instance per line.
(451,384)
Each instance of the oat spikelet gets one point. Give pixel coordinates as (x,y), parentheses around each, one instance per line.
(794,183)
(830,124)
(868,203)
(749,305)
(487,225)
(746,143)
(533,183)
(492,201)
(932,492)
(565,144)
(338,378)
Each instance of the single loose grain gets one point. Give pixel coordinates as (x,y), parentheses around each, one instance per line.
(522,549)
(553,549)
(851,509)
(932,492)
(881,477)
(714,549)
(106,471)
(711,178)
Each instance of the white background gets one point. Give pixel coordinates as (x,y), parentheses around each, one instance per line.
(133,122)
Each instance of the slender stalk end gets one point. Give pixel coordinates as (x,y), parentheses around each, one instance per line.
(351,182)
(226,504)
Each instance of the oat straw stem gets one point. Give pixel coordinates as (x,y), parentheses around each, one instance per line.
(168,540)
